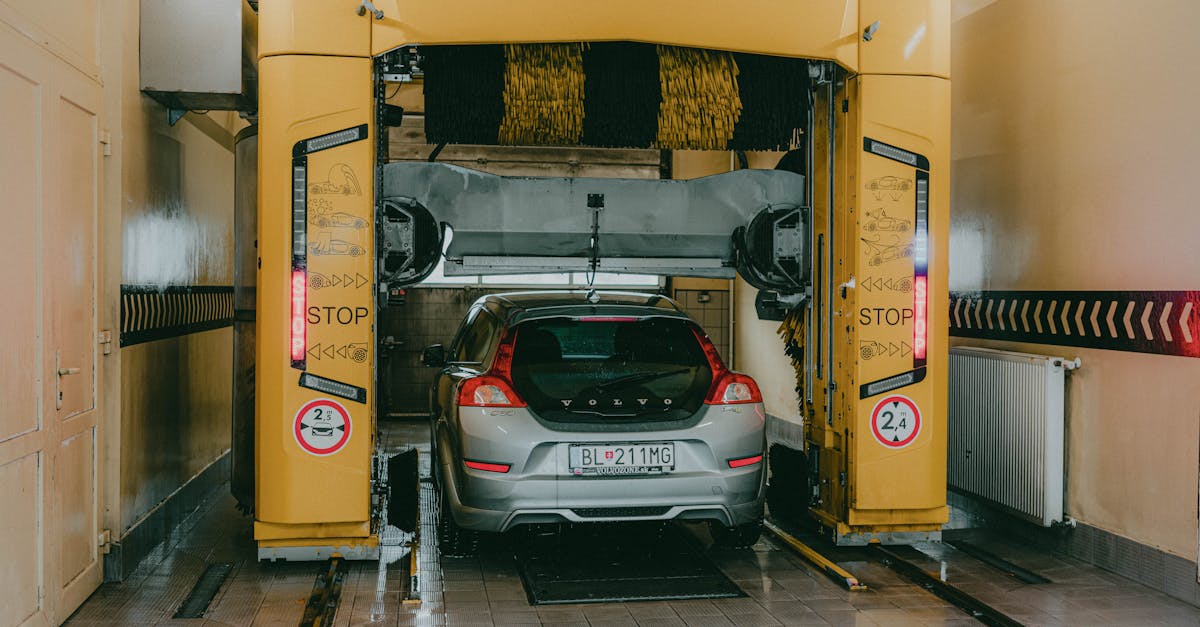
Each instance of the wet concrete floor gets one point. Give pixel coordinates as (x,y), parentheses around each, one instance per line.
(781,588)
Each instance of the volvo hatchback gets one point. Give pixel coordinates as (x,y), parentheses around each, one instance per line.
(574,407)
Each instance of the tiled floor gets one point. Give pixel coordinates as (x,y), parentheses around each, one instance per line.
(782,589)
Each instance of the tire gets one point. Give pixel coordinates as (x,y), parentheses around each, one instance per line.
(453,541)
(740,537)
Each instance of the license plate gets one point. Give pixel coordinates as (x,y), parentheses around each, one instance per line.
(621,459)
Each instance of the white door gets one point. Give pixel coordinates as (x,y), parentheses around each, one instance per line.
(49,439)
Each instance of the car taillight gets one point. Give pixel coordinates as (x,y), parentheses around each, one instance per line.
(728,387)
(488,391)
(733,388)
(488,466)
(299,298)
(745,461)
(493,388)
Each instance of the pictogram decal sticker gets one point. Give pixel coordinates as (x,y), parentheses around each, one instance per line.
(322,427)
(896,421)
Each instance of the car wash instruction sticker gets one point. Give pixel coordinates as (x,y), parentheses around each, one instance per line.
(322,427)
(896,421)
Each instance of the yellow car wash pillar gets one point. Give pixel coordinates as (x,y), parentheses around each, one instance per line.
(879,428)
(316,313)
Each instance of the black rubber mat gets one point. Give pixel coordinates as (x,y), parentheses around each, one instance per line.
(603,563)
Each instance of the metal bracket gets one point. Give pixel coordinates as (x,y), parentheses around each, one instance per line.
(368,6)
(173,115)
(595,202)
(104,541)
(788,242)
(104,339)
(869,32)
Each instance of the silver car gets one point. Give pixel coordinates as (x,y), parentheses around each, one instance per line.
(576,407)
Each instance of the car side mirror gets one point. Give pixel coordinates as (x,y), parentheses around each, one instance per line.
(434,356)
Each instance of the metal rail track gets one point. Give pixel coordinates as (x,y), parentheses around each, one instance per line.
(930,582)
(326,594)
(976,608)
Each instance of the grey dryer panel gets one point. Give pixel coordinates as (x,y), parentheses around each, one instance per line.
(504,225)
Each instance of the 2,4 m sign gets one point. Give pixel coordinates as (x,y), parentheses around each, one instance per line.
(896,421)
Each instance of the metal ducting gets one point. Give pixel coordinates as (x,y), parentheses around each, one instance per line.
(245,290)
(752,221)
(200,54)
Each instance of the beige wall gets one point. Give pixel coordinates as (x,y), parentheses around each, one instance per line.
(87,135)
(1074,162)
(168,216)
(758,351)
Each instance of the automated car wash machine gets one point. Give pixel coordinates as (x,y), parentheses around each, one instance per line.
(846,239)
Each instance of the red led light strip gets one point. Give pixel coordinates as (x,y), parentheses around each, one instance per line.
(920,316)
(299,342)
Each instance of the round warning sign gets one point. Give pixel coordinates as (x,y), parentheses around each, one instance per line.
(896,421)
(322,427)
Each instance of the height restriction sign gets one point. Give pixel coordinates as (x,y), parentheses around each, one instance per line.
(896,421)
(322,427)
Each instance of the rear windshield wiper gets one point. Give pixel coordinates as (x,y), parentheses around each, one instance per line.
(638,377)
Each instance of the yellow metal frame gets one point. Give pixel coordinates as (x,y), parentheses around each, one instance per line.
(315,76)
(826,565)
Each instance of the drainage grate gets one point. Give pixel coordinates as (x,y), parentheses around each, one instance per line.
(202,593)
(619,512)
(625,562)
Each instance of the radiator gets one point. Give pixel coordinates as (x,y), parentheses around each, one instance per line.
(1006,430)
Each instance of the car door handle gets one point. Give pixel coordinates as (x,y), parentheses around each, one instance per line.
(62,372)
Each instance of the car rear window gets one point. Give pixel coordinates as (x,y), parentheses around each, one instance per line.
(610,369)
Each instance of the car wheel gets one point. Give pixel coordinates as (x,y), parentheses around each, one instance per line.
(739,537)
(453,541)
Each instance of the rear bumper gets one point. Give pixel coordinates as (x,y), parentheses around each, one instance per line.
(727,512)
(539,487)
